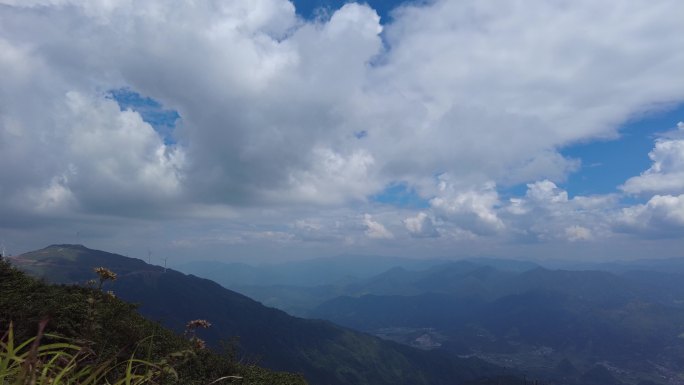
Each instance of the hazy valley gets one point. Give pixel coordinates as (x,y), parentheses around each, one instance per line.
(557,324)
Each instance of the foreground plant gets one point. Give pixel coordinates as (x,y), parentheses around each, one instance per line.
(191,332)
(104,341)
(64,363)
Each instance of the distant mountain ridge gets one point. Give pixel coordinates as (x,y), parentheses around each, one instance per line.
(515,311)
(538,317)
(312,272)
(662,265)
(323,352)
(299,286)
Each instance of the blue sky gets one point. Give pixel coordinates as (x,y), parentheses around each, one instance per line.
(151,111)
(607,164)
(270,130)
(310,8)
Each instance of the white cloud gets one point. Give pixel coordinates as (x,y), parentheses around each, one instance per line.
(471,209)
(333,178)
(117,150)
(270,104)
(577,233)
(666,174)
(503,86)
(274,97)
(421,226)
(547,214)
(661,216)
(317,230)
(55,197)
(546,192)
(375,229)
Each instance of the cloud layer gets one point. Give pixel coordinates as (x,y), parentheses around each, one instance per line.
(288,127)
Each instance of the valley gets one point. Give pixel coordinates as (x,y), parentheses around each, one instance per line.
(548,323)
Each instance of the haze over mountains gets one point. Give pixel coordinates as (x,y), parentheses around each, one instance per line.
(625,316)
(440,322)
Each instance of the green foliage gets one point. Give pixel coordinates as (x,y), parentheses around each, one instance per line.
(65,363)
(87,336)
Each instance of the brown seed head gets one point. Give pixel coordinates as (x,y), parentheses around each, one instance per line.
(105,274)
(199,343)
(198,323)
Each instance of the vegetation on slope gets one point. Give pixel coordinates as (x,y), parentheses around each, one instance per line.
(74,320)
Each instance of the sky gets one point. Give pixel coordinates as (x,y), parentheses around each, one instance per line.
(271,130)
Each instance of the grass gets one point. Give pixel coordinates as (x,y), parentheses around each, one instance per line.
(63,362)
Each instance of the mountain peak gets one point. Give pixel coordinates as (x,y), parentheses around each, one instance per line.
(67,246)
(75,263)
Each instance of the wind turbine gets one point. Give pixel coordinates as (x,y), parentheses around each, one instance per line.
(165,258)
(149,256)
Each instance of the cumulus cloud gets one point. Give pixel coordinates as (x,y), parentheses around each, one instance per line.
(319,229)
(666,174)
(103,160)
(421,226)
(546,191)
(333,178)
(271,107)
(661,216)
(55,197)
(274,102)
(471,209)
(546,213)
(577,233)
(375,230)
(118,151)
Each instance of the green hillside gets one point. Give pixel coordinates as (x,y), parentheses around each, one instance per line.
(114,331)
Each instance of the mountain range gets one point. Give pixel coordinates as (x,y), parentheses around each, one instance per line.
(411,321)
(323,352)
(627,319)
(631,323)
